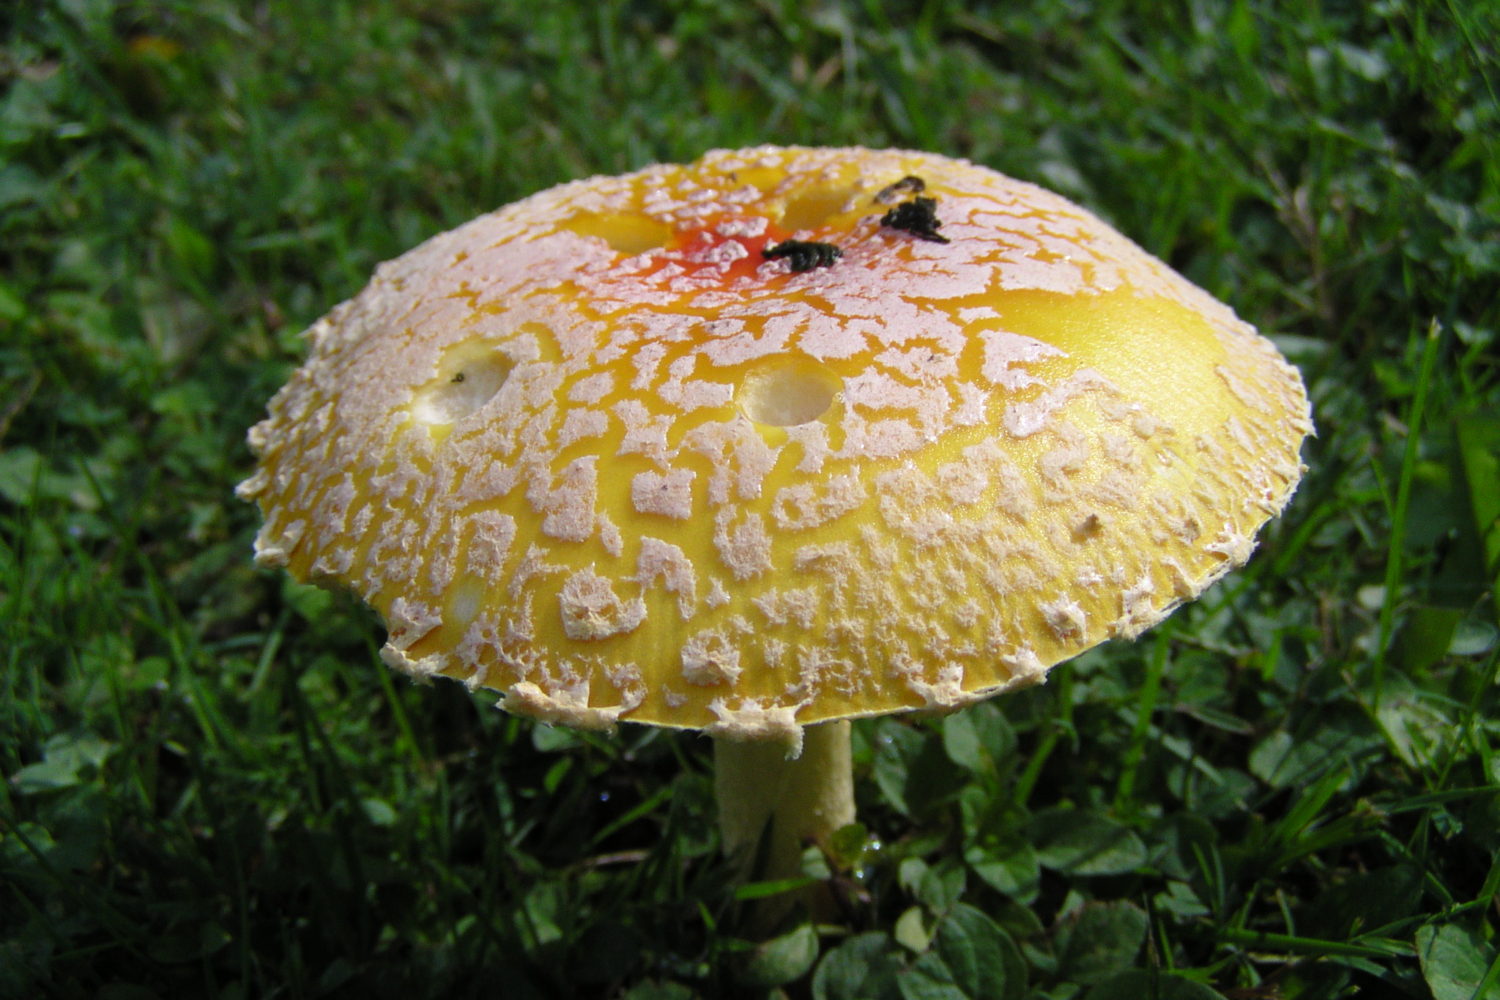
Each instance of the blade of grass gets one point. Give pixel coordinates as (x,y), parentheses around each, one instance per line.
(1299,945)
(1395,547)
(1479,455)
(1156,665)
(1061,723)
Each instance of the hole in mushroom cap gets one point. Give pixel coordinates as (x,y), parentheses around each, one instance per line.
(466,381)
(627,234)
(789,394)
(812,209)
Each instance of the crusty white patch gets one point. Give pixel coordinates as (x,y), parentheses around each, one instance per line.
(1025,666)
(963,482)
(1139,610)
(274,542)
(1059,464)
(592,610)
(749,226)
(1232,545)
(491,535)
(795,606)
(568,706)
(669,494)
(645,432)
(568,507)
(710,659)
(717,596)
(809,505)
(580,425)
(1065,617)
(813,438)
(740,457)
(688,392)
(334,562)
(409,621)
(591,388)
(1005,351)
(946,691)
(755,719)
(1025,419)
(743,545)
(661,560)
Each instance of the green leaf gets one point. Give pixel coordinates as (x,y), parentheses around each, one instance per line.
(378,811)
(1420,730)
(896,746)
(978,737)
(189,246)
(912,770)
(1009,867)
(1085,843)
(25,475)
(45,776)
(937,887)
(311,603)
(1479,454)
(911,930)
(12,306)
(782,959)
(1100,939)
(929,979)
(539,915)
(1284,759)
(1426,636)
(1210,791)
(971,957)
(984,961)
(547,738)
(1181,844)
(962,742)
(1456,962)
(1144,984)
(659,991)
(851,847)
(67,760)
(1181,901)
(862,968)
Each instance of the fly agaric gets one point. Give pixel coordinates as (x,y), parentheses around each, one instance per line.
(770,441)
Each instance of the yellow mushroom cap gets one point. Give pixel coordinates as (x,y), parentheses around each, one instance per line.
(596,451)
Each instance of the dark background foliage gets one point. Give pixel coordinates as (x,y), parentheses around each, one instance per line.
(212,787)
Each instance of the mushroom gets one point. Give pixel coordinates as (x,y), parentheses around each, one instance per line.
(770,441)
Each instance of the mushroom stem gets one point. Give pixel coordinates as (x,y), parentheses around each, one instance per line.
(803,797)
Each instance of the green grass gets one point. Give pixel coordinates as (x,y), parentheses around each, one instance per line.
(212,788)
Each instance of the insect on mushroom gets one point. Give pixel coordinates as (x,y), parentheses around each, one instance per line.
(910,184)
(918,217)
(804,255)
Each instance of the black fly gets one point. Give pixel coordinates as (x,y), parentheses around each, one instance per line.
(918,217)
(910,184)
(804,255)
